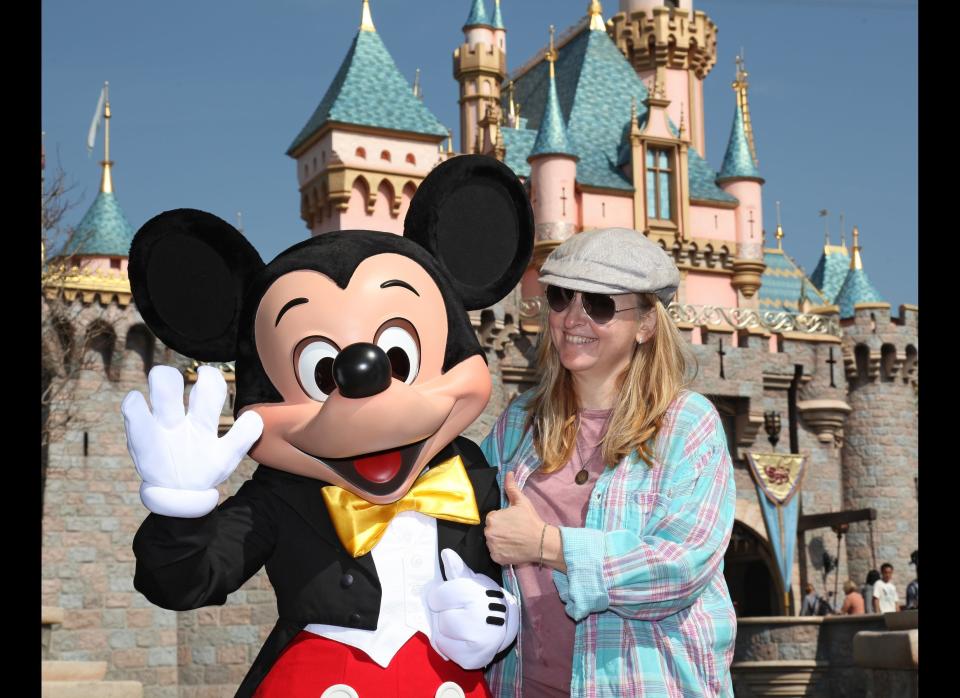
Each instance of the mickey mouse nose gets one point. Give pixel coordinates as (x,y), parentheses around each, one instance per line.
(362,370)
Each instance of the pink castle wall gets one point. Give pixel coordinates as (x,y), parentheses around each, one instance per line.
(716,223)
(605,211)
(478,35)
(710,289)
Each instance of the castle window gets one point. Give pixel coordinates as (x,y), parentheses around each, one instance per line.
(361,153)
(658,183)
(411,159)
(114,262)
(385,155)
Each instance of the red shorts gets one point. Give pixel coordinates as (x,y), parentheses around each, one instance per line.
(311,664)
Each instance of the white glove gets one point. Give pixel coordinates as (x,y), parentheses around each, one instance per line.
(179,457)
(462,611)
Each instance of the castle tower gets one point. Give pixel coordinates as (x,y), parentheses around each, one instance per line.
(553,169)
(94,262)
(480,66)
(832,268)
(368,145)
(856,286)
(880,447)
(670,43)
(499,29)
(740,177)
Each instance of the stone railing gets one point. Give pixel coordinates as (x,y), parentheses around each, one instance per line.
(531,309)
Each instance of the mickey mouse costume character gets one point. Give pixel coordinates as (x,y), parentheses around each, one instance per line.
(356,371)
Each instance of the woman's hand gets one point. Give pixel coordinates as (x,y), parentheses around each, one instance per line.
(514,534)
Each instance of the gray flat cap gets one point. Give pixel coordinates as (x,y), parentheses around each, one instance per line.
(612,260)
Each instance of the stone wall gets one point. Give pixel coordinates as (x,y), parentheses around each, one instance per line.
(804,656)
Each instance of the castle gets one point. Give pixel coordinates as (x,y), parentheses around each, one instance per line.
(605,126)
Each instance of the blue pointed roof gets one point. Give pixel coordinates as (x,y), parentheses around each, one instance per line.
(856,289)
(738,161)
(478,15)
(831,271)
(782,283)
(518,143)
(497,17)
(368,90)
(595,87)
(104,230)
(552,135)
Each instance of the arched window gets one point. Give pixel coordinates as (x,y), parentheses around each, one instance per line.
(861,354)
(361,153)
(411,159)
(140,341)
(99,342)
(385,155)
(888,362)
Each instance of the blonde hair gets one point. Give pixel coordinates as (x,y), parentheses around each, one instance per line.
(849,586)
(655,375)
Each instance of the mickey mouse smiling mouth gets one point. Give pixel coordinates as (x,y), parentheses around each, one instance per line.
(379,473)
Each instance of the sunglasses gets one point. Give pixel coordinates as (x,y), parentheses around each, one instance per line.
(599,307)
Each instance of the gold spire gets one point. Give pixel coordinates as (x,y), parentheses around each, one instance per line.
(106,181)
(596,16)
(779,229)
(512,110)
(450,141)
(366,20)
(843,234)
(740,85)
(552,53)
(855,261)
(417,91)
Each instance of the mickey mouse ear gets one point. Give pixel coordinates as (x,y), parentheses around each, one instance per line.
(472,214)
(189,271)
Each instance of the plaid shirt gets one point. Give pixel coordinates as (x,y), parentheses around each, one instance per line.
(644,576)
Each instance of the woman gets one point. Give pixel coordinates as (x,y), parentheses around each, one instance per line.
(853,601)
(618,492)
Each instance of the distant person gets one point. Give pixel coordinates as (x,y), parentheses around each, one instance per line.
(810,601)
(885,591)
(852,601)
(867,589)
(913,588)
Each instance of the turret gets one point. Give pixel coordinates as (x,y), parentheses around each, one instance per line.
(480,67)
(741,178)
(553,168)
(670,43)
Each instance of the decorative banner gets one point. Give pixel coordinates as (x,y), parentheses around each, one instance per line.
(778,478)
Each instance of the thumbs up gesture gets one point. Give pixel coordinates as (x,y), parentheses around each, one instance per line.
(472,618)
(513,533)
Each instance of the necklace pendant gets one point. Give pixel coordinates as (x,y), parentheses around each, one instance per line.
(582,476)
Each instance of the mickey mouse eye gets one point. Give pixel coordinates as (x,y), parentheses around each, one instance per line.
(315,369)
(400,344)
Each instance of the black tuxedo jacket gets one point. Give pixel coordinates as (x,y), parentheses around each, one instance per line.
(280,520)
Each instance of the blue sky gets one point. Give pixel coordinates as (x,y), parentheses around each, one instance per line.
(207,96)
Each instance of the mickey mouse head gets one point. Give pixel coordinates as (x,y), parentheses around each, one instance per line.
(354,347)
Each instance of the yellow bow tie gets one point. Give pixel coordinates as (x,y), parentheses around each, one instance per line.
(443,492)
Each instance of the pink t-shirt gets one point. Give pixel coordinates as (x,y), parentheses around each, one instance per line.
(547,629)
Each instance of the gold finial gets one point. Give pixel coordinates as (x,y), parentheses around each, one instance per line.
(843,234)
(779,229)
(740,86)
(417,91)
(552,53)
(366,19)
(106,181)
(450,141)
(856,262)
(512,121)
(633,110)
(596,16)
